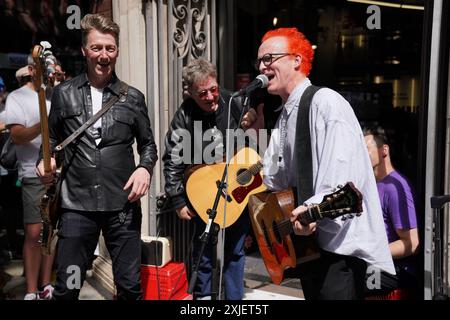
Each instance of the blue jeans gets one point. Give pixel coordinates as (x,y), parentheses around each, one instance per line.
(234,260)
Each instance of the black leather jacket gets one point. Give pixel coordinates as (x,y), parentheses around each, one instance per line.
(189,111)
(94,175)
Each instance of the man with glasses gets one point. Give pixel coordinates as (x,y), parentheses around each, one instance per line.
(204,114)
(318,146)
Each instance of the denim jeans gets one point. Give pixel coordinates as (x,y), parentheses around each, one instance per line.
(234,260)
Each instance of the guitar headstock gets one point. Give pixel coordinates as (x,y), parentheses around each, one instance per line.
(347,200)
(44,61)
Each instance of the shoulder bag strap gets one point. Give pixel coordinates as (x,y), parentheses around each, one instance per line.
(303,146)
(122,97)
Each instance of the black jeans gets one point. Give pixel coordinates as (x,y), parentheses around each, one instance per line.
(401,280)
(333,277)
(77,238)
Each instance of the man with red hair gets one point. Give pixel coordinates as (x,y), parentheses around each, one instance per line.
(317,145)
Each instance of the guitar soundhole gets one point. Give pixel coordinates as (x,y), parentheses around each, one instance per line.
(243,176)
(276,231)
(266,236)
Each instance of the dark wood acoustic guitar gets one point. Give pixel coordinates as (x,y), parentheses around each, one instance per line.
(270,212)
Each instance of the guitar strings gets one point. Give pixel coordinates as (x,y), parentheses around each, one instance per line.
(252,171)
(285,226)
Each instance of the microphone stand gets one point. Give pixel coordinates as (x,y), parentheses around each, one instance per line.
(210,236)
(211,231)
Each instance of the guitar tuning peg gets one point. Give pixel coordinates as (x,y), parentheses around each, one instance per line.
(358,214)
(350,216)
(343,218)
(50,61)
(45,44)
(340,186)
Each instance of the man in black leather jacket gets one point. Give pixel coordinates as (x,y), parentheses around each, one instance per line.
(101,184)
(206,109)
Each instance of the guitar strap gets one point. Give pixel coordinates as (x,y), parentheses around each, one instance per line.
(123,91)
(303,152)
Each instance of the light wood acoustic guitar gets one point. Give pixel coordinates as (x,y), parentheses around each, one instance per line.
(269,213)
(244,179)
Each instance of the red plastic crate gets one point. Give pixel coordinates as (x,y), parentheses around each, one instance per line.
(397,294)
(171,278)
(182,296)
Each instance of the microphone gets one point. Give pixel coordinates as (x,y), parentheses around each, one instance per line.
(261,81)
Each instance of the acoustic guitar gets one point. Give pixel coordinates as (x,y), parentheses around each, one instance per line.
(270,212)
(244,179)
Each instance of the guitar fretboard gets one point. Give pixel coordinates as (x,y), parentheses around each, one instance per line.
(254,169)
(285,226)
(246,176)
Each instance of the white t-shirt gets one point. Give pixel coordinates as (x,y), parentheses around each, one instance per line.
(22,107)
(339,155)
(97,100)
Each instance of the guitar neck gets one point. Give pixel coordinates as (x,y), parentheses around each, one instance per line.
(44,130)
(316,213)
(286,227)
(256,168)
(40,88)
(311,215)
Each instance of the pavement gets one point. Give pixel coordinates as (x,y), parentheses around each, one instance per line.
(258,285)
(14,287)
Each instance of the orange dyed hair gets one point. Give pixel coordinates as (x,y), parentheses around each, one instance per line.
(297,43)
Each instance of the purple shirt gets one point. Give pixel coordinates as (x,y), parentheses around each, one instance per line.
(397,203)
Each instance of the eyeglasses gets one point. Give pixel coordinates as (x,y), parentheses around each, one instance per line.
(268,59)
(204,93)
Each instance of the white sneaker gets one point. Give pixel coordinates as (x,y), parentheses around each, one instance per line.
(46,293)
(31,296)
